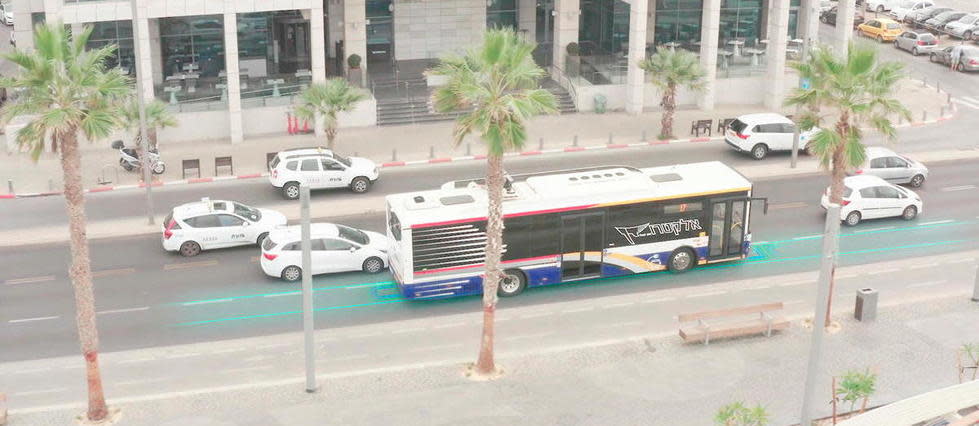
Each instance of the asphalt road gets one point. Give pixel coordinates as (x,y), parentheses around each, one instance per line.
(150,298)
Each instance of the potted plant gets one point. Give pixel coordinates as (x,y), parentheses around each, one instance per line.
(572,61)
(354,73)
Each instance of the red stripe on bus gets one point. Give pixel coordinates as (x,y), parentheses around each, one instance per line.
(476,219)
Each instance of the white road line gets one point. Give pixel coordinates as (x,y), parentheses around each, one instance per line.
(206,302)
(792,283)
(119,311)
(964,101)
(658,300)
(142,381)
(958,188)
(241,369)
(923,265)
(927,283)
(29,280)
(449,325)
(435,348)
(135,360)
(408,330)
(364,335)
(847,275)
(574,311)
(621,324)
(935,222)
(963,260)
(618,305)
(761,287)
(529,336)
(875,229)
(225,351)
(884,271)
(536,315)
(288,293)
(761,242)
(709,293)
(186,355)
(33,370)
(38,392)
(272,345)
(808,237)
(32,319)
(346,358)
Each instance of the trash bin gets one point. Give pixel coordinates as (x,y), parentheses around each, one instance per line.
(866,306)
(600,102)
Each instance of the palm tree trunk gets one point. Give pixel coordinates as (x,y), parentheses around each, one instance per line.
(153,137)
(144,158)
(669,108)
(836,197)
(485,364)
(81,272)
(331,136)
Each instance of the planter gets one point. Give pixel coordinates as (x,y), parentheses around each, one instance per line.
(356,77)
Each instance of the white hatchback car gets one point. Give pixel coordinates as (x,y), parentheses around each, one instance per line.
(210,224)
(894,168)
(320,168)
(335,248)
(870,197)
(759,134)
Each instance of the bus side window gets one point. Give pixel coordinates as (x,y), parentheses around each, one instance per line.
(547,235)
(518,237)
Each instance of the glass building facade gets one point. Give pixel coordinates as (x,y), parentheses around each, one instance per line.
(192,57)
(119,33)
(501,13)
(678,21)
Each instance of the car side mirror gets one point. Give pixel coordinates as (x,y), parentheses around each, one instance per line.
(353,249)
(246,223)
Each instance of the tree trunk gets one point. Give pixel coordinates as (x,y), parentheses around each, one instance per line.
(331,136)
(669,108)
(494,250)
(838,173)
(144,158)
(153,137)
(81,272)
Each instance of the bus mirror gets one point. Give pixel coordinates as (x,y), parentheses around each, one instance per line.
(764,200)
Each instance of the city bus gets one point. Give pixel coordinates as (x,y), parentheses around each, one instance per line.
(570,225)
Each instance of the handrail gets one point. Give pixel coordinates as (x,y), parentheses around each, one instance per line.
(571,87)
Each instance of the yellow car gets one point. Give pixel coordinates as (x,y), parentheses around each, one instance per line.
(882,29)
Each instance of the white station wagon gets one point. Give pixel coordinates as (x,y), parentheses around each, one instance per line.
(870,197)
(759,134)
(210,224)
(320,168)
(334,248)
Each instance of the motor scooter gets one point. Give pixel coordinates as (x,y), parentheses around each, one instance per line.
(129,159)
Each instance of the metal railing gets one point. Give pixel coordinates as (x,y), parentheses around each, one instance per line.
(568,83)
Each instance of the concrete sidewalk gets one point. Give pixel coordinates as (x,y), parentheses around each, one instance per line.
(610,360)
(398,143)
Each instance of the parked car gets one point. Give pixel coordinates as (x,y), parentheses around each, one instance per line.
(7,13)
(320,168)
(965,27)
(937,23)
(901,11)
(829,17)
(892,167)
(880,6)
(870,197)
(914,14)
(924,16)
(916,43)
(968,62)
(759,134)
(882,29)
(334,248)
(210,224)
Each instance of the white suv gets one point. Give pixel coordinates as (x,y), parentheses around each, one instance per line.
(334,248)
(210,224)
(870,197)
(320,168)
(759,134)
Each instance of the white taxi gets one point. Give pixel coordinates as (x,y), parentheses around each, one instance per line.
(870,197)
(334,248)
(320,168)
(210,224)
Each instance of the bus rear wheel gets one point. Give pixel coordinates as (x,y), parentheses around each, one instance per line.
(682,260)
(512,283)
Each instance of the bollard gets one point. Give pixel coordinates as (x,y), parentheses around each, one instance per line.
(540,144)
(394,154)
(924,116)
(574,142)
(938,86)
(431,151)
(10,186)
(975,291)
(865,307)
(609,138)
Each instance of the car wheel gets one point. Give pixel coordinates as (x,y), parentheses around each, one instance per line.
(759,151)
(917,181)
(360,185)
(373,265)
(682,260)
(931,58)
(159,168)
(823,19)
(512,283)
(292,273)
(967,35)
(914,52)
(853,218)
(808,150)
(909,213)
(291,190)
(880,9)
(261,237)
(880,39)
(960,67)
(190,249)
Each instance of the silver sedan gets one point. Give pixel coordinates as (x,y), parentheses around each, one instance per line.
(894,168)
(916,43)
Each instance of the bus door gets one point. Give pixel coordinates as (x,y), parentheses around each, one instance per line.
(582,243)
(727,228)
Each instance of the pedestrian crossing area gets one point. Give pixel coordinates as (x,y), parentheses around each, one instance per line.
(967,101)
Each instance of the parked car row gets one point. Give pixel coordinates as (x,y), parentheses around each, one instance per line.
(941,19)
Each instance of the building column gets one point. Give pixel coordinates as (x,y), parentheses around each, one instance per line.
(355,34)
(143,59)
(808,24)
(317,32)
(527,19)
(844,27)
(635,76)
(565,28)
(231,70)
(651,22)
(710,27)
(778,35)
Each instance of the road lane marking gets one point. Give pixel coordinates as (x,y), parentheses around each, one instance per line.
(112,272)
(33,370)
(242,369)
(848,275)
(618,305)
(345,358)
(16,321)
(206,302)
(120,311)
(29,280)
(923,265)
(287,293)
(135,360)
(225,351)
(795,205)
(408,330)
(967,102)
(435,348)
(707,294)
(884,271)
(936,222)
(449,325)
(883,228)
(39,392)
(186,355)
(142,381)
(535,315)
(808,237)
(528,336)
(963,260)
(188,265)
(927,283)
(272,345)
(793,283)
(658,300)
(364,335)
(958,188)
(574,311)
(620,324)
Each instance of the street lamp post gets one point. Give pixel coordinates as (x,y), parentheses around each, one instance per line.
(308,342)
(145,139)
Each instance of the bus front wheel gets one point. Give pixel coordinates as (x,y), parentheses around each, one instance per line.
(682,260)
(512,283)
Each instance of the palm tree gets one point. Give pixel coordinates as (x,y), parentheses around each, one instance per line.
(496,85)
(860,91)
(68,90)
(669,71)
(327,100)
(158,117)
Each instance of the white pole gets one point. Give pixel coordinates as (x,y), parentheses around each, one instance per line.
(145,140)
(826,270)
(307,291)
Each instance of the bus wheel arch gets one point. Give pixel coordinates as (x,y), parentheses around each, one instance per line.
(512,283)
(682,260)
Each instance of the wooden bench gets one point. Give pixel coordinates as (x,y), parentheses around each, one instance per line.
(697,126)
(704,331)
(723,123)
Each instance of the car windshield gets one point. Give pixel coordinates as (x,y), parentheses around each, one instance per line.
(354,235)
(342,159)
(250,213)
(943,16)
(893,26)
(275,162)
(738,126)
